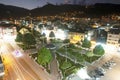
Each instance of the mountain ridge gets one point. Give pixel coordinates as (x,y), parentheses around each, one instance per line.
(50,9)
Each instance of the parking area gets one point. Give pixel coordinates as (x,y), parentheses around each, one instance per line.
(106,68)
(114,72)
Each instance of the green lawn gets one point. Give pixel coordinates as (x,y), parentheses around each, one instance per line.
(66,65)
(78,55)
(67,69)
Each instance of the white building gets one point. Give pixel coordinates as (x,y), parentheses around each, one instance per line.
(113,39)
(7,29)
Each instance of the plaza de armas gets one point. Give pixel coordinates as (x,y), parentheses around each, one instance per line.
(73,48)
(76,43)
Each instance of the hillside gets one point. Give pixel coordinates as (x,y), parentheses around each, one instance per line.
(50,9)
(7,11)
(96,10)
(100,9)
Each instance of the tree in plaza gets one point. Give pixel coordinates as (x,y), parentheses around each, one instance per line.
(98,50)
(57,22)
(19,37)
(43,35)
(43,38)
(35,33)
(66,41)
(86,43)
(63,26)
(40,26)
(44,56)
(28,39)
(18,28)
(52,35)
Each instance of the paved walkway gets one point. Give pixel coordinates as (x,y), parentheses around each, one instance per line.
(54,69)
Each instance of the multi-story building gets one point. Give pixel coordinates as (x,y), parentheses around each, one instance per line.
(113,39)
(76,37)
(7,29)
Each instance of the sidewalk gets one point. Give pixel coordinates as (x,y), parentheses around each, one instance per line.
(54,69)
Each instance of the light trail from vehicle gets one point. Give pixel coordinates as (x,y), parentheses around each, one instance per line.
(22,67)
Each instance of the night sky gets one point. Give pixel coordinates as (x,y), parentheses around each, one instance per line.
(30,4)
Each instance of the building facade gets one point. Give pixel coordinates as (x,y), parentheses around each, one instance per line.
(7,29)
(76,37)
(113,39)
